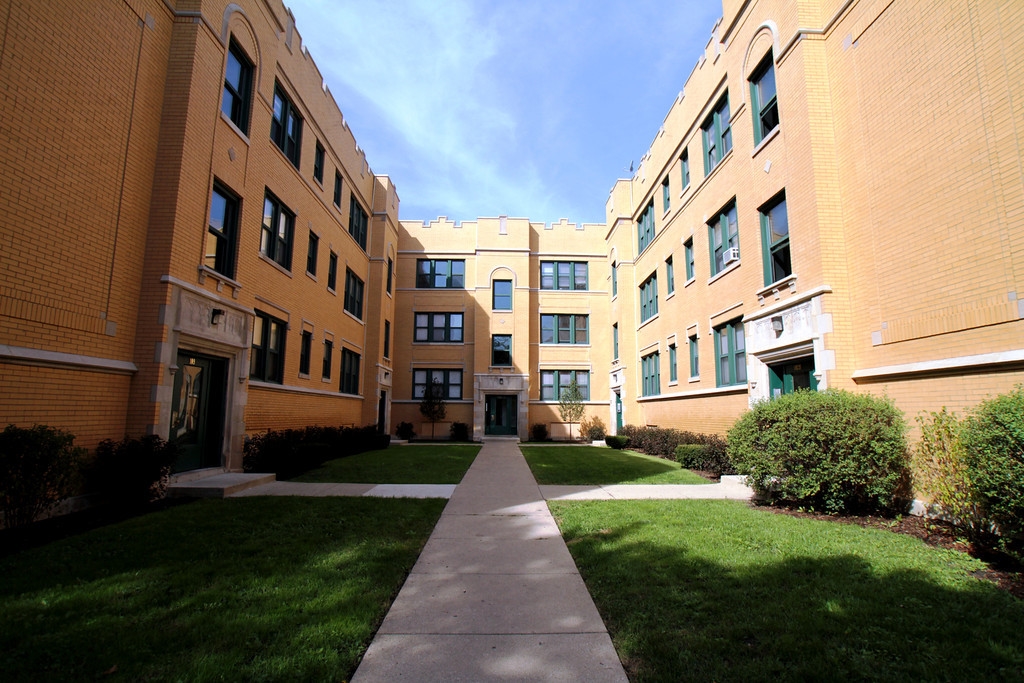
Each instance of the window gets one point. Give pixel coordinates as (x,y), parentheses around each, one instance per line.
(649,298)
(673,375)
(349,372)
(446,384)
(775,240)
(763,99)
(276,238)
(666,195)
(237,88)
(684,163)
(562,379)
(318,163)
(305,348)
(688,253)
(723,236)
(353,294)
(438,327)
(615,279)
(565,275)
(286,126)
(670,276)
(717,135)
(501,349)
(328,357)
(332,271)
(391,273)
(337,189)
(564,329)
(615,341)
(651,371)
(645,227)
(440,274)
(387,339)
(694,357)
(223,234)
(266,359)
(731,349)
(501,295)
(357,222)
(311,252)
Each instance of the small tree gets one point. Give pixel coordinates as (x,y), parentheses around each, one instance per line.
(432,406)
(570,405)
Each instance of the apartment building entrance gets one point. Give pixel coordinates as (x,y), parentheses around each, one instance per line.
(500,415)
(785,378)
(197,411)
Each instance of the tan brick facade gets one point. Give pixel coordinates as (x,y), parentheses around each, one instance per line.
(894,164)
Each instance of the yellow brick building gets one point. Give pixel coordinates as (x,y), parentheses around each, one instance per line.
(194,245)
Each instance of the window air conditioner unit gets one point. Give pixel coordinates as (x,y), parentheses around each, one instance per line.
(731,255)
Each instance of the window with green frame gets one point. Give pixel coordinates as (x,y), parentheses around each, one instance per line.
(266,358)
(649,298)
(318,163)
(564,329)
(438,327)
(673,373)
(717,134)
(353,294)
(615,279)
(501,295)
(775,240)
(357,222)
(222,237)
(286,126)
(440,274)
(645,227)
(305,348)
(684,165)
(763,99)
(730,347)
(723,238)
(332,271)
(553,383)
(387,339)
(694,357)
(666,195)
(446,383)
(688,253)
(670,276)
(651,372)
(564,275)
(349,372)
(501,350)
(237,87)
(276,235)
(325,370)
(615,341)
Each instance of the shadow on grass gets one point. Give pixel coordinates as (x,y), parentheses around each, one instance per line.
(414,464)
(844,606)
(270,589)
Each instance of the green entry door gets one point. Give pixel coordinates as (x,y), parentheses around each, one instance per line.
(500,415)
(618,412)
(785,378)
(197,411)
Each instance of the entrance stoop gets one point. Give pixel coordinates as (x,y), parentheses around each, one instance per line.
(218,485)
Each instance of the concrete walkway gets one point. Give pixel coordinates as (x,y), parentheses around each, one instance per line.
(495,595)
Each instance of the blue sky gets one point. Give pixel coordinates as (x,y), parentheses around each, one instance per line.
(524,108)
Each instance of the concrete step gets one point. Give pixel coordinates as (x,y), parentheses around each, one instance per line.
(218,485)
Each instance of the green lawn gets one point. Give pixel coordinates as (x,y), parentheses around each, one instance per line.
(237,589)
(720,591)
(594,465)
(398,465)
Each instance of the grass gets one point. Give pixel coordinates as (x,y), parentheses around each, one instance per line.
(585,465)
(238,589)
(398,465)
(717,590)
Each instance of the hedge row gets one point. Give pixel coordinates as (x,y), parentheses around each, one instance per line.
(290,452)
(665,442)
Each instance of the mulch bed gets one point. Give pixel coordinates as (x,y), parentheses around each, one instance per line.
(1002,570)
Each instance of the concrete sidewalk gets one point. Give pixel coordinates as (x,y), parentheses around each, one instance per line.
(495,595)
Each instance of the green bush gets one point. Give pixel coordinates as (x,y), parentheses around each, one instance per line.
(405,430)
(290,452)
(617,442)
(993,440)
(133,472)
(664,443)
(593,429)
(459,431)
(39,468)
(832,451)
(690,455)
(538,432)
(704,452)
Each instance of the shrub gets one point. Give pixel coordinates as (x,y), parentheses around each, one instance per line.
(663,443)
(291,452)
(690,455)
(832,451)
(538,432)
(459,431)
(592,428)
(704,452)
(617,442)
(38,469)
(405,430)
(993,442)
(132,472)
